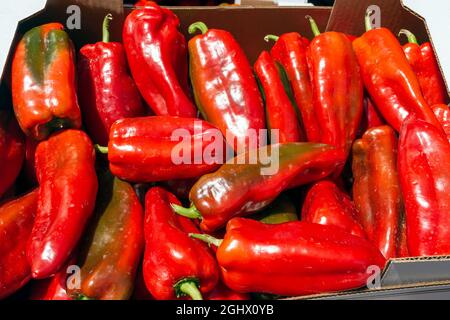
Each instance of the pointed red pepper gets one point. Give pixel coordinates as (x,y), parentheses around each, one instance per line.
(442,112)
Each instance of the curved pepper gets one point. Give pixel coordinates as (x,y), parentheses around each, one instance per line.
(67,190)
(442,112)
(105,88)
(425,66)
(12,151)
(43,82)
(161,148)
(224,87)
(321,258)
(388,77)
(115,243)
(16,222)
(327,205)
(337,88)
(424,162)
(240,188)
(376,190)
(280,110)
(174,264)
(157,56)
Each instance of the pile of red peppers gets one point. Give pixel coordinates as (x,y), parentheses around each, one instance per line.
(93,205)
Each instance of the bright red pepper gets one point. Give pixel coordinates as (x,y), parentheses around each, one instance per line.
(280,110)
(16,222)
(12,151)
(337,88)
(67,191)
(161,148)
(388,77)
(425,65)
(105,88)
(253,257)
(157,56)
(43,82)
(442,112)
(423,163)
(326,204)
(376,190)
(174,264)
(225,88)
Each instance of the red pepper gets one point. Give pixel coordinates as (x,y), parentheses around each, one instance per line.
(67,191)
(424,162)
(174,264)
(225,88)
(371,117)
(326,204)
(12,151)
(376,190)
(222,292)
(29,168)
(161,148)
(16,222)
(105,88)
(425,65)
(442,113)
(157,56)
(280,110)
(388,77)
(337,88)
(292,258)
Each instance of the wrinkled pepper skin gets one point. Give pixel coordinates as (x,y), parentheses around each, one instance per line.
(105,88)
(116,243)
(239,188)
(225,88)
(327,205)
(296,258)
(280,110)
(43,82)
(171,256)
(442,112)
(16,222)
(144,149)
(291,50)
(423,162)
(376,190)
(389,79)
(67,191)
(425,66)
(12,151)
(157,56)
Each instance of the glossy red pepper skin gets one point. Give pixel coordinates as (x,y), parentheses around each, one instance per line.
(376,190)
(423,162)
(67,191)
(222,292)
(280,110)
(143,149)
(337,89)
(157,57)
(389,79)
(16,221)
(225,88)
(291,50)
(171,256)
(294,258)
(327,205)
(442,112)
(43,82)
(12,151)
(106,90)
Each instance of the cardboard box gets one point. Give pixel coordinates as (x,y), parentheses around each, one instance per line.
(249,25)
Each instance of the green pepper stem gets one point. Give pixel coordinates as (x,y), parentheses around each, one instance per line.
(314,27)
(411,37)
(206,238)
(82,297)
(106,22)
(190,288)
(367,21)
(271,37)
(99,148)
(191,213)
(198,26)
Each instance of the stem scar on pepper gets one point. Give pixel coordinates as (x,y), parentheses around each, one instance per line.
(188,287)
(191,212)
